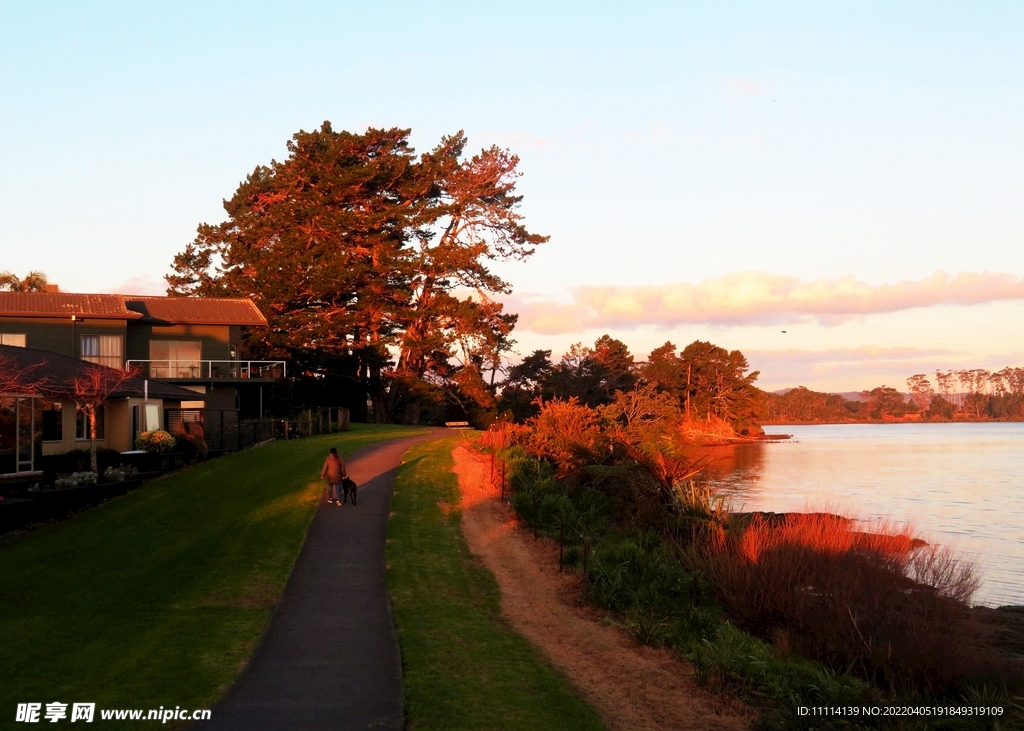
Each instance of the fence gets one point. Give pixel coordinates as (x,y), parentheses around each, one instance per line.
(223,431)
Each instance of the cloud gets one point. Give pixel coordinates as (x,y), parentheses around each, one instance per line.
(868,353)
(851,368)
(143,284)
(756,298)
(745,87)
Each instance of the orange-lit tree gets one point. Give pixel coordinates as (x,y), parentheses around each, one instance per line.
(92,389)
(355,249)
(20,380)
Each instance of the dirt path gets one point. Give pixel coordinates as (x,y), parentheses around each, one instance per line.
(634,688)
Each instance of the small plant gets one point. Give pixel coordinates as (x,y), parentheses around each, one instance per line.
(157,441)
(121,473)
(193,446)
(75,479)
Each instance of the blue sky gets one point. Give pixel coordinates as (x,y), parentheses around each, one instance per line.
(708,149)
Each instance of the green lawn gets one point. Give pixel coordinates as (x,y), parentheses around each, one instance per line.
(464,668)
(159,597)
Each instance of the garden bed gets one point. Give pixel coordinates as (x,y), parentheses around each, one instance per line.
(45,505)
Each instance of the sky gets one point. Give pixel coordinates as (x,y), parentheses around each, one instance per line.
(837,190)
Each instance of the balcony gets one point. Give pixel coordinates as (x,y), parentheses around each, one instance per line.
(209,370)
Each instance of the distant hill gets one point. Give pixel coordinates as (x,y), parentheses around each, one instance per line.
(848,395)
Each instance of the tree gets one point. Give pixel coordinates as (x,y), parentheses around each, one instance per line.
(34,281)
(92,389)
(592,375)
(718,384)
(355,250)
(921,391)
(20,380)
(945,379)
(885,401)
(524,384)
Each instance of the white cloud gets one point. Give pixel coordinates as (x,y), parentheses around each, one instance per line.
(756,298)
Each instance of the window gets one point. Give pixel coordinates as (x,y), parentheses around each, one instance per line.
(20,445)
(175,358)
(145,417)
(53,421)
(82,424)
(15,339)
(105,350)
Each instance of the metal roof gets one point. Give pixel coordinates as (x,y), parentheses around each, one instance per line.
(164,310)
(65,304)
(197,310)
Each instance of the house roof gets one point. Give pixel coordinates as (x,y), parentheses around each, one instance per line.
(65,304)
(197,310)
(54,375)
(164,310)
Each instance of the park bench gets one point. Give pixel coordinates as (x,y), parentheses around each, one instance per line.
(457,424)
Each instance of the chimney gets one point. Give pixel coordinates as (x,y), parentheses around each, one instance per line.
(52,288)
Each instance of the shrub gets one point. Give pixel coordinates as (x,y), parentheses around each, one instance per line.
(76,479)
(567,433)
(193,446)
(872,603)
(157,441)
(121,473)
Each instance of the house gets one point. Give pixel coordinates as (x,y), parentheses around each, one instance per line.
(185,348)
(39,415)
(190,342)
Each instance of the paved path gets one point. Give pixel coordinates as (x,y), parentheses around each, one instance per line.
(330,657)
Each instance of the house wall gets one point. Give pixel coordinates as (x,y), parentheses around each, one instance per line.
(69,443)
(216,339)
(60,335)
(118,432)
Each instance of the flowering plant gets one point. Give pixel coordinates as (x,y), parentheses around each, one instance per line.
(155,441)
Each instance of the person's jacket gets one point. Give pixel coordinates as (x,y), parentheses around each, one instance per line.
(334,469)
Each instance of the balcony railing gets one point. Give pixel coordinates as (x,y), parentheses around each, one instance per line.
(204,370)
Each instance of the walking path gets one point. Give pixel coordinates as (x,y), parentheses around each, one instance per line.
(330,657)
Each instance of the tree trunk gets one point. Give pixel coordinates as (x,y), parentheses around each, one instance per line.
(93,464)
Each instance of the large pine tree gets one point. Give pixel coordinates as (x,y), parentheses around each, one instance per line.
(372,263)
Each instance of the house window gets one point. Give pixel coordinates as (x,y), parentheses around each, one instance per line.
(53,421)
(15,339)
(20,445)
(82,424)
(175,358)
(106,350)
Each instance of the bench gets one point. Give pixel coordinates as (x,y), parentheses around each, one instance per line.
(457,424)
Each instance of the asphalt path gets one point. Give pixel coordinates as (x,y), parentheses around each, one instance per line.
(330,657)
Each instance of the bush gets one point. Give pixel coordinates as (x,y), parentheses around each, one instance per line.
(76,479)
(157,441)
(121,473)
(878,604)
(193,446)
(568,433)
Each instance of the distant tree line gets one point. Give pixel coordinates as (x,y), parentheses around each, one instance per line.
(703,381)
(957,395)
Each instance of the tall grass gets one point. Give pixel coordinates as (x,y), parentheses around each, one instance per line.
(869,603)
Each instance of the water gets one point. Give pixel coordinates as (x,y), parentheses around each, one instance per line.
(960,485)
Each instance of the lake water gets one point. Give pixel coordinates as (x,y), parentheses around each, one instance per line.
(961,485)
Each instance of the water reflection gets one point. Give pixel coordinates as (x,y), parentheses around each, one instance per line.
(958,484)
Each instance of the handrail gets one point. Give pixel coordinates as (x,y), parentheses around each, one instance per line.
(177,368)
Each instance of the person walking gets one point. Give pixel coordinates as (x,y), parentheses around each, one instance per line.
(334,472)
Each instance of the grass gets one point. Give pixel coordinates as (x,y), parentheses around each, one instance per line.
(464,668)
(159,597)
